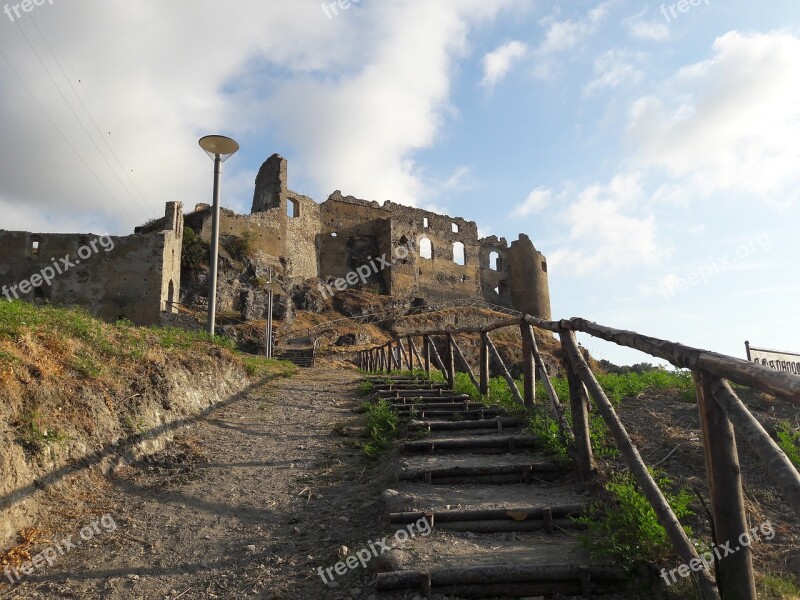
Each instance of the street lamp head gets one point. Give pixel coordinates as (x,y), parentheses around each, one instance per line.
(219,145)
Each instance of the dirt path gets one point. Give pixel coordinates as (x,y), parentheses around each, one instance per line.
(247,503)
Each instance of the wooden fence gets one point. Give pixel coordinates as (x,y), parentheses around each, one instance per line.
(722,416)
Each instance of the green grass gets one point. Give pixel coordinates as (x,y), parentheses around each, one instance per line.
(365,388)
(789,441)
(629,385)
(260,367)
(624,526)
(774,587)
(382,424)
(34,431)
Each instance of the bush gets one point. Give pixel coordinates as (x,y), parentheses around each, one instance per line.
(789,441)
(382,423)
(195,251)
(625,528)
(241,247)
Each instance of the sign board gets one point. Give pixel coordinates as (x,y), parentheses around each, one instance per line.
(787,362)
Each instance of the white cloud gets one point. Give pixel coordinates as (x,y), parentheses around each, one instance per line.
(355,96)
(536,201)
(459,180)
(612,69)
(609,229)
(654,31)
(729,124)
(561,36)
(498,63)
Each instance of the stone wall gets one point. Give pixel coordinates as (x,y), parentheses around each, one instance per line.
(332,239)
(133,277)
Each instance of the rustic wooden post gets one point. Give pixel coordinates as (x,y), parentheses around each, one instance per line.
(512,385)
(403,357)
(426,353)
(484,368)
(528,365)
(412,349)
(579,402)
(451,363)
(463,359)
(437,359)
(747,427)
(735,575)
(389,358)
(666,517)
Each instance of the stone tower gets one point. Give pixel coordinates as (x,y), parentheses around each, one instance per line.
(271,184)
(530,290)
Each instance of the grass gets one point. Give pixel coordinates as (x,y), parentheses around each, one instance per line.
(382,424)
(365,388)
(34,431)
(789,441)
(260,367)
(623,527)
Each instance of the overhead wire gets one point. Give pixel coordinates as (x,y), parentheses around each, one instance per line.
(88,113)
(82,125)
(61,132)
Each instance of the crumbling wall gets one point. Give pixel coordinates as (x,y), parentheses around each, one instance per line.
(438,276)
(352,234)
(530,288)
(495,274)
(133,277)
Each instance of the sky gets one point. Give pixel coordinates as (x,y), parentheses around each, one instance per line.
(651,151)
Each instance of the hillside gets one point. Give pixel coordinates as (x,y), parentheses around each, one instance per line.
(79,397)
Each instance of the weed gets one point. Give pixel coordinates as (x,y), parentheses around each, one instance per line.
(545,429)
(382,423)
(774,587)
(34,431)
(241,247)
(136,427)
(365,388)
(625,527)
(195,252)
(789,441)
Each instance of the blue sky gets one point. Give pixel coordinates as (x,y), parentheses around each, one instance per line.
(653,154)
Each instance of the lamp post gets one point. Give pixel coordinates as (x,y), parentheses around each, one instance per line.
(219,148)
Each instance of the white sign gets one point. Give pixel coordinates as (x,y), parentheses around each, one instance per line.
(787,362)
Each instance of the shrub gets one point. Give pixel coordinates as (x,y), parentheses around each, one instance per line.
(382,423)
(789,441)
(624,527)
(195,251)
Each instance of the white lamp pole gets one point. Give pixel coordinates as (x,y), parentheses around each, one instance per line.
(220,148)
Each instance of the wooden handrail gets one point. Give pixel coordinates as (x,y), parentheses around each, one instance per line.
(722,414)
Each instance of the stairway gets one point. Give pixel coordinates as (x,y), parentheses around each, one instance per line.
(302,357)
(500,509)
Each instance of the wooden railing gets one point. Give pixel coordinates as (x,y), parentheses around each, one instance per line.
(722,416)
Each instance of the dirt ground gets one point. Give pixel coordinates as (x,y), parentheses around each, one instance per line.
(247,503)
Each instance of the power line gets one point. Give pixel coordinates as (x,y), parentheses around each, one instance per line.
(80,122)
(60,131)
(88,113)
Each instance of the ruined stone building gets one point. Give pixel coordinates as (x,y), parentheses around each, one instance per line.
(447,259)
(138,277)
(134,277)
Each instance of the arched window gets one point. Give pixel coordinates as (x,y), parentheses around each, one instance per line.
(425,248)
(171,297)
(494,257)
(459,255)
